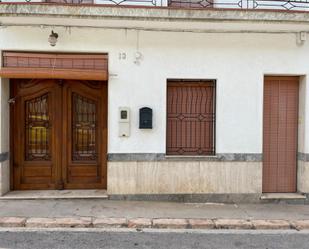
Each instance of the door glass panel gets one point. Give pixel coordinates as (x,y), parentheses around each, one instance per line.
(37,125)
(84,119)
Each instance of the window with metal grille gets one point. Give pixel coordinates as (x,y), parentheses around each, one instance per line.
(191,113)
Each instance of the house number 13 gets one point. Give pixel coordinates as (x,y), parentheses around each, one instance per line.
(122,56)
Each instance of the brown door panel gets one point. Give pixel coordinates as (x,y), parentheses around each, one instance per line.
(84,149)
(35,133)
(280,134)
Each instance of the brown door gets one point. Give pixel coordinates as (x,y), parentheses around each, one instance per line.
(84,134)
(59,134)
(280,134)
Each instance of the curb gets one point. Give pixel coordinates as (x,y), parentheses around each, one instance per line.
(159,223)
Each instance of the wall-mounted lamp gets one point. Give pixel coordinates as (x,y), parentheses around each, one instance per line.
(52,39)
(138,57)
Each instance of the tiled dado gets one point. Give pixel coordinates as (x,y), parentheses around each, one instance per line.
(166,177)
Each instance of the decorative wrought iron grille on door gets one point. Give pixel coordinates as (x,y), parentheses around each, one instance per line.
(37,129)
(191,117)
(84,129)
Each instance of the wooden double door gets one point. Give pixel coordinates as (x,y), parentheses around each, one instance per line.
(59,134)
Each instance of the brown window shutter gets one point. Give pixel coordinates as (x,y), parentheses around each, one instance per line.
(54,66)
(191,118)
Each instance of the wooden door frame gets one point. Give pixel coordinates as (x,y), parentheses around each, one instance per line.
(279,77)
(11,137)
(99,75)
(104,136)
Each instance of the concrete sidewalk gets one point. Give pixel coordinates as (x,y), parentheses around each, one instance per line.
(107,213)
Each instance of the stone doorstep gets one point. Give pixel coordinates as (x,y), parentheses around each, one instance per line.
(54,194)
(283,196)
(160,223)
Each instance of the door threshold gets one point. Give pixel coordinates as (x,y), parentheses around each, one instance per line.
(55,194)
(282,196)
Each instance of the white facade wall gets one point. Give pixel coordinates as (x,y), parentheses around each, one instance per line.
(238,62)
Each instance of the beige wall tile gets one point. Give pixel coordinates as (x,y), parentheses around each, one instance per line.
(303,177)
(122,177)
(184,177)
(230,177)
(4,177)
(167,177)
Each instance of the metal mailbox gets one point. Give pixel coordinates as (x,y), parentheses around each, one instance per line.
(145,118)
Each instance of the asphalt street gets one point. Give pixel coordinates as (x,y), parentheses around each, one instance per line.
(159,239)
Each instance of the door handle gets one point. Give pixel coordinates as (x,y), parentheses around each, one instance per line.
(12,100)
